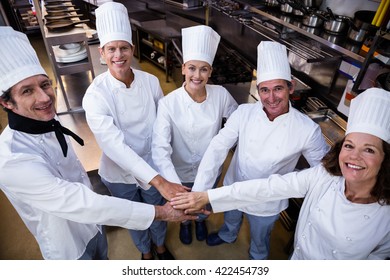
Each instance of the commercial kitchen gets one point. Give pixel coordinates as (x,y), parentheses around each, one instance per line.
(336,49)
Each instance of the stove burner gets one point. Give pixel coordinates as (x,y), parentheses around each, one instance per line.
(229,67)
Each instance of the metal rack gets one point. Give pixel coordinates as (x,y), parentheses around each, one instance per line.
(52,39)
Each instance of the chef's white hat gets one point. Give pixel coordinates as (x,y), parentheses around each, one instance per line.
(272,62)
(370,113)
(18,59)
(112,23)
(199,43)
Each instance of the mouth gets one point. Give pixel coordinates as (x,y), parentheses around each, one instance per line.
(354,166)
(197,82)
(45,107)
(274,104)
(119,62)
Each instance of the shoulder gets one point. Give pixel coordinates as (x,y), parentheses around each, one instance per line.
(145,75)
(171,97)
(303,119)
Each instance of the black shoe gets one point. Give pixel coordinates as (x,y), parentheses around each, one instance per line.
(200,230)
(142,257)
(165,256)
(213,239)
(185,233)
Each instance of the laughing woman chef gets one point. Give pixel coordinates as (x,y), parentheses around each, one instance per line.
(346,211)
(190,116)
(120,107)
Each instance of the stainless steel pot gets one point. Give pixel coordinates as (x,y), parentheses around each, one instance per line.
(338,24)
(315,19)
(312,3)
(333,38)
(297,12)
(272,3)
(361,26)
(286,8)
(312,30)
(357,35)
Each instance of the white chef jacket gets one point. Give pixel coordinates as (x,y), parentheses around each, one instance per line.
(264,147)
(329,225)
(184,129)
(122,121)
(53,195)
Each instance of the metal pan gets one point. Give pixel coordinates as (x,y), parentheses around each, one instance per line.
(63,11)
(58,17)
(63,25)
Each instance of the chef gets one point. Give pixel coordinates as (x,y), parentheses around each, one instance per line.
(121,107)
(271,136)
(190,116)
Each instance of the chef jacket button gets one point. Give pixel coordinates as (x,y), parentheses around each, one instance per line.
(318,209)
(334,252)
(82,176)
(41,141)
(348,238)
(366,217)
(309,223)
(303,236)
(298,248)
(58,163)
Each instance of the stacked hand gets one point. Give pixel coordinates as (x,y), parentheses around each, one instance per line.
(167,189)
(169,214)
(191,202)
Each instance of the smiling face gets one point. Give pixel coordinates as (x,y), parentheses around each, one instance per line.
(118,56)
(360,159)
(33,98)
(274,95)
(196,74)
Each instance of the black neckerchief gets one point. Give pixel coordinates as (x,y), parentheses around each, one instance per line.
(23,124)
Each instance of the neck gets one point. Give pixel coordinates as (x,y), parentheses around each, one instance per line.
(359,193)
(197,95)
(126,77)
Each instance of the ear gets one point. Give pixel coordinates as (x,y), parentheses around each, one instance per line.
(101,51)
(183,67)
(7,104)
(293,83)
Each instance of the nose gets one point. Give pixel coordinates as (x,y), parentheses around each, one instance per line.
(41,95)
(271,96)
(355,154)
(197,73)
(118,52)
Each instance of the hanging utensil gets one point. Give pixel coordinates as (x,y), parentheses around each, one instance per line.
(331,14)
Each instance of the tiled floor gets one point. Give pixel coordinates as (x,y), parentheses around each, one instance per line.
(17,243)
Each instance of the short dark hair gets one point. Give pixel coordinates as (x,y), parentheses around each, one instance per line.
(381,190)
